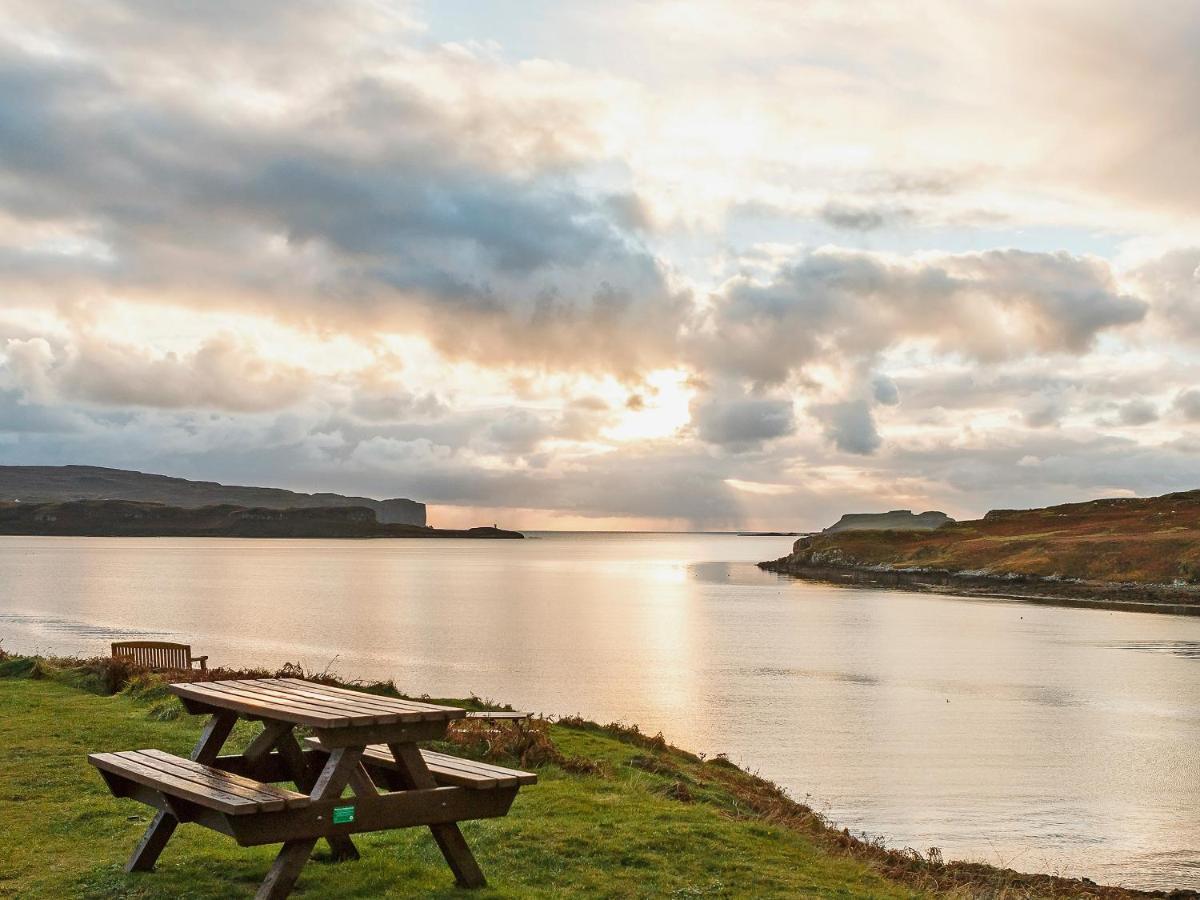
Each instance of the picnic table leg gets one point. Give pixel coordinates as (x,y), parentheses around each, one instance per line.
(146,854)
(285,870)
(341,846)
(293,855)
(414,774)
(163,825)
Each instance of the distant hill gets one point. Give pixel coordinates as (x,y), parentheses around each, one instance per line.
(133,518)
(42,484)
(1134,551)
(896,520)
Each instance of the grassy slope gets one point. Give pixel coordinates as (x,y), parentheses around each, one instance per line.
(618,833)
(1149,541)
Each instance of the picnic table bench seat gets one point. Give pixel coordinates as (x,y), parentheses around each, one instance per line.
(447,769)
(192,782)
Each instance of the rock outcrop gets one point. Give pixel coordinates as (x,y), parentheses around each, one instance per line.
(895,520)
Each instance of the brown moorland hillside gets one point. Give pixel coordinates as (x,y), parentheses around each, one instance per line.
(1130,542)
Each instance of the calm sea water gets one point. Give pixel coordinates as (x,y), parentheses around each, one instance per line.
(1057,740)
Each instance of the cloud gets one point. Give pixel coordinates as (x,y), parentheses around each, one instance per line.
(371,205)
(1044,414)
(849,425)
(884,390)
(518,431)
(222,373)
(1137,412)
(861,218)
(989,306)
(1172,283)
(1187,404)
(742,423)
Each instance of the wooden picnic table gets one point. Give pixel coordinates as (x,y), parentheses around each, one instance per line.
(359,741)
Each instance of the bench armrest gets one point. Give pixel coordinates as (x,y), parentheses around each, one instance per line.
(203,660)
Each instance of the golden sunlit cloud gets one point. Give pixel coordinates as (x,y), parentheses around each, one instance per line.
(658,410)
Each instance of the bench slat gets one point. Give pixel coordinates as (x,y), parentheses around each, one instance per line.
(209,781)
(267,794)
(472,765)
(380,755)
(450,770)
(198,783)
(136,769)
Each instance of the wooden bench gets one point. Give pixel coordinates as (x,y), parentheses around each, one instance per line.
(158,654)
(445,769)
(500,714)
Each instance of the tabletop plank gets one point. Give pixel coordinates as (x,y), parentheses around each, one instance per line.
(360,715)
(429,711)
(300,690)
(221,696)
(310,703)
(408,710)
(334,718)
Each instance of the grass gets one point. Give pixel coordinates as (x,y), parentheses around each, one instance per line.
(616,813)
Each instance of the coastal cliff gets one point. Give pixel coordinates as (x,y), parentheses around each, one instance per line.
(1127,553)
(126,518)
(46,484)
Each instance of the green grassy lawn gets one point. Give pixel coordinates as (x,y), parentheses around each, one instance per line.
(643,823)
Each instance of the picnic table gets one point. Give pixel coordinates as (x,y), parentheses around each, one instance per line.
(364,742)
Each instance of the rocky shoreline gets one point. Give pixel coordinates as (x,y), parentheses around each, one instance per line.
(1129,597)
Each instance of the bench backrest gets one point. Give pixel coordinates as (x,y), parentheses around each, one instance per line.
(155,654)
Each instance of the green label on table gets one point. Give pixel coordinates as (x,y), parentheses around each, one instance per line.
(343,814)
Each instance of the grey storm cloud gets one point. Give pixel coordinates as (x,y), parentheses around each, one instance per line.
(1045,413)
(885,391)
(1187,404)
(1137,412)
(989,306)
(857,217)
(849,425)
(743,423)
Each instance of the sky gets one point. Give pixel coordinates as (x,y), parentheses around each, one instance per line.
(634,264)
